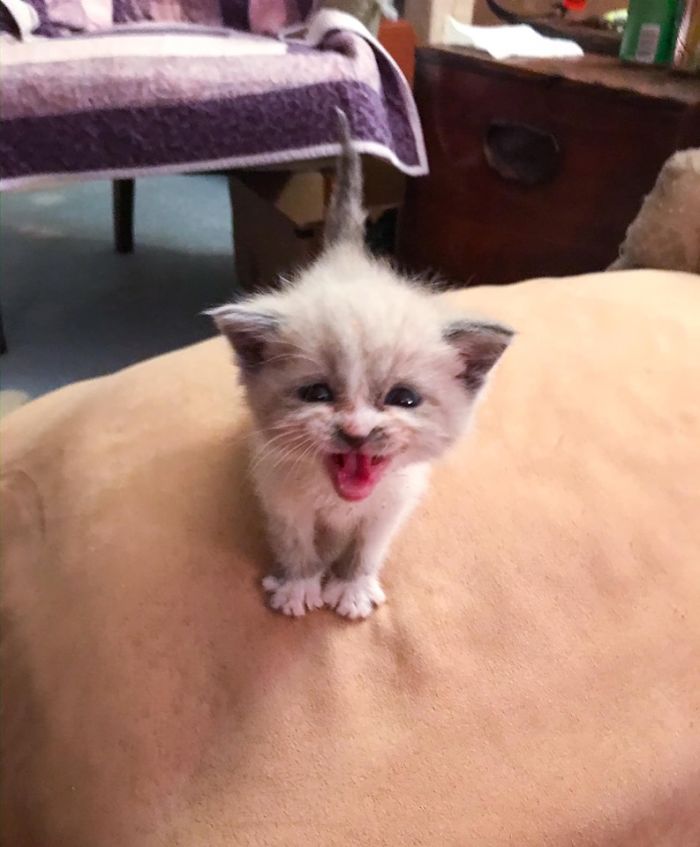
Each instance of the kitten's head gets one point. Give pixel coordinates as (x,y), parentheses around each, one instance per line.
(352,368)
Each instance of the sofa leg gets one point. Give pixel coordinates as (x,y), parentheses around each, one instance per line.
(123,215)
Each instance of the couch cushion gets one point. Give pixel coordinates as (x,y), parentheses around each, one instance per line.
(534,678)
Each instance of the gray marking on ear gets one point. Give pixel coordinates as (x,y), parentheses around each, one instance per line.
(480,345)
(345,218)
(248,332)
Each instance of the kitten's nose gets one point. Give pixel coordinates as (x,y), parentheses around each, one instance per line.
(353,441)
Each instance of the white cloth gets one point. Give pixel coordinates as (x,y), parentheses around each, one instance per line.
(504,41)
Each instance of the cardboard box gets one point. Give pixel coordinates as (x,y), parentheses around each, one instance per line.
(278,216)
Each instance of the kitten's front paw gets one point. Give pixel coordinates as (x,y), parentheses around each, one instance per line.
(355,598)
(294,596)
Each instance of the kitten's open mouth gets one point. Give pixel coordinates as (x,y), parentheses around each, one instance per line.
(354,474)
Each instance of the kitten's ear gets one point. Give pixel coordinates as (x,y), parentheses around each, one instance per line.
(345,219)
(248,331)
(480,345)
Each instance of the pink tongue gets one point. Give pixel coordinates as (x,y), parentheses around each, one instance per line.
(354,475)
(356,467)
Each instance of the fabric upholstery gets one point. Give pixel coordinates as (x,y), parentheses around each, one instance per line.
(142,101)
(666,232)
(533,680)
(58,18)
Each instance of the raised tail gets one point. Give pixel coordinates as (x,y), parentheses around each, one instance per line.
(345,219)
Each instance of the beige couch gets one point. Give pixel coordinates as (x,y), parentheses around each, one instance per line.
(534,679)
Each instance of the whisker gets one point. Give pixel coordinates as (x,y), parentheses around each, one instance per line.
(270,449)
(310,451)
(299,459)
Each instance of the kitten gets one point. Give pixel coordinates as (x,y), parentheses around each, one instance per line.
(356,379)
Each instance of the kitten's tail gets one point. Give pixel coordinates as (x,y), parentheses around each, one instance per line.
(345,219)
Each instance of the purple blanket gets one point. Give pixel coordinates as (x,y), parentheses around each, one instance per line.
(118,103)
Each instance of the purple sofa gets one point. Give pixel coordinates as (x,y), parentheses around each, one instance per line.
(186,85)
(115,89)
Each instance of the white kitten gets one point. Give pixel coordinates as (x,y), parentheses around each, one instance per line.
(356,379)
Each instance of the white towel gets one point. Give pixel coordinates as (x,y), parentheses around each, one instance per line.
(504,41)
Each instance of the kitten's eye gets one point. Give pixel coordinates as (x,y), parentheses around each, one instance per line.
(319,392)
(404,397)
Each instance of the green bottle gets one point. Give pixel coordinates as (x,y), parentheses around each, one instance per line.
(649,32)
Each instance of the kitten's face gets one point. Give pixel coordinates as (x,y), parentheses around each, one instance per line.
(359,403)
(358,377)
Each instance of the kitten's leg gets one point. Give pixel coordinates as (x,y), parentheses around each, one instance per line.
(296,584)
(353,589)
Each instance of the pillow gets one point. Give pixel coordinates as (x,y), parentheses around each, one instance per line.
(204,12)
(268,17)
(66,17)
(534,678)
(666,232)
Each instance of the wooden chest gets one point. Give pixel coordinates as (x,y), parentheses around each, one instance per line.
(537,167)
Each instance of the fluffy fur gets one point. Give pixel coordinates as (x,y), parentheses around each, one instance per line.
(349,323)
